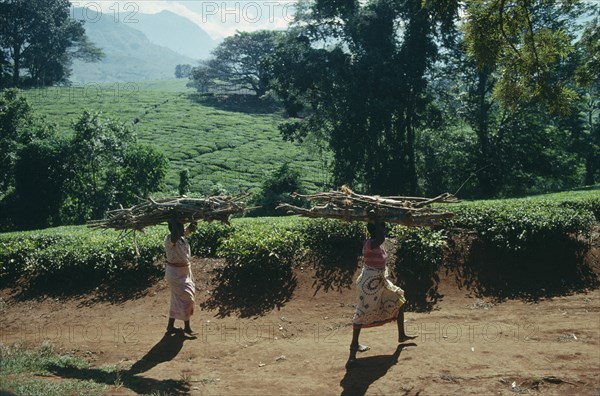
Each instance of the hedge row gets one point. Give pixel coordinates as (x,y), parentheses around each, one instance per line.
(275,244)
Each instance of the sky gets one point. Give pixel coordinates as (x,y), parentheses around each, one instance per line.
(219,18)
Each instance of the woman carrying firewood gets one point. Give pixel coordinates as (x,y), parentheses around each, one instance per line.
(379,300)
(179,275)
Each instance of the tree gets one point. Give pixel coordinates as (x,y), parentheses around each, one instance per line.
(143,172)
(524,41)
(40,171)
(359,71)
(516,63)
(587,74)
(183,71)
(97,152)
(39,36)
(18,127)
(277,188)
(184,181)
(237,63)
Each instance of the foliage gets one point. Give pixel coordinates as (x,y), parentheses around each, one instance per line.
(332,241)
(237,64)
(40,171)
(345,65)
(234,146)
(589,45)
(183,71)
(525,42)
(40,37)
(76,257)
(143,172)
(445,161)
(80,177)
(531,155)
(277,188)
(259,252)
(510,75)
(515,225)
(418,258)
(184,182)
(208,238)
(258,259)
(107,168)
(17,128)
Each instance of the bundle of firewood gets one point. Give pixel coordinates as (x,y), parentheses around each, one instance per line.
(350,206)
(154,212)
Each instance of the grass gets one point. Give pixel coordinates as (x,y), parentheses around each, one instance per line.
(29,372)
(43,371)
(227,144)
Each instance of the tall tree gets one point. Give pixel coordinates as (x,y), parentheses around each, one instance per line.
(357,72)
(39,36)
(237,63)
(18,127)
(524,41)
(516,52)
(587,74)
(97,151)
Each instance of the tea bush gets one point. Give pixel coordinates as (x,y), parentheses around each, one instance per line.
(418,257)
(258,258)
(331,241)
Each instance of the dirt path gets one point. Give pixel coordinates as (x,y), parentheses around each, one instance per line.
(465,346)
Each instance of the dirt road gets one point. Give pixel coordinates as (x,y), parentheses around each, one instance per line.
(466,345)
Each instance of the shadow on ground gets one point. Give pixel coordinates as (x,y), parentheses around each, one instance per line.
(164,351)
(248,104)
(368,370)
(334,273)
(127,284)
(546,269)
(247,292)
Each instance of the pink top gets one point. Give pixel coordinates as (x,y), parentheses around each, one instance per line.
(374,258)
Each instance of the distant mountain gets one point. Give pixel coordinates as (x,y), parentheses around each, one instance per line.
(175,32)
(130,56)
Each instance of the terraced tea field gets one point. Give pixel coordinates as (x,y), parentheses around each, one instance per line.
(233,145)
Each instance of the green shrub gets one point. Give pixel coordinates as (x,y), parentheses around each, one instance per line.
(527,248)
(75,255)
(208,237)
(258,258)
(418,257)
(515,225)
(332,241)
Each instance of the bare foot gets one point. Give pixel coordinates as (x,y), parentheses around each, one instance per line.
(363,348)
(405,337)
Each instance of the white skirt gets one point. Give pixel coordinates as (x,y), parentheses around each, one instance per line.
(183,291)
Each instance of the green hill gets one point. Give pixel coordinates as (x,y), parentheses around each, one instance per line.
(130,56)
(175,32)
(232,145)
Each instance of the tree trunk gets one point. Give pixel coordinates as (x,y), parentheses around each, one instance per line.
(16,65)
(410,151)
(482,131)
(589,170)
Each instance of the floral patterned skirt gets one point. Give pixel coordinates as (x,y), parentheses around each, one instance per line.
(379,300)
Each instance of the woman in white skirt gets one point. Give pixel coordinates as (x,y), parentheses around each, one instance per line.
(379,300)
(179,275)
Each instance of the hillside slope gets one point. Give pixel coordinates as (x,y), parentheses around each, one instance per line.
(175,32)
(221,143)
(130,56)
